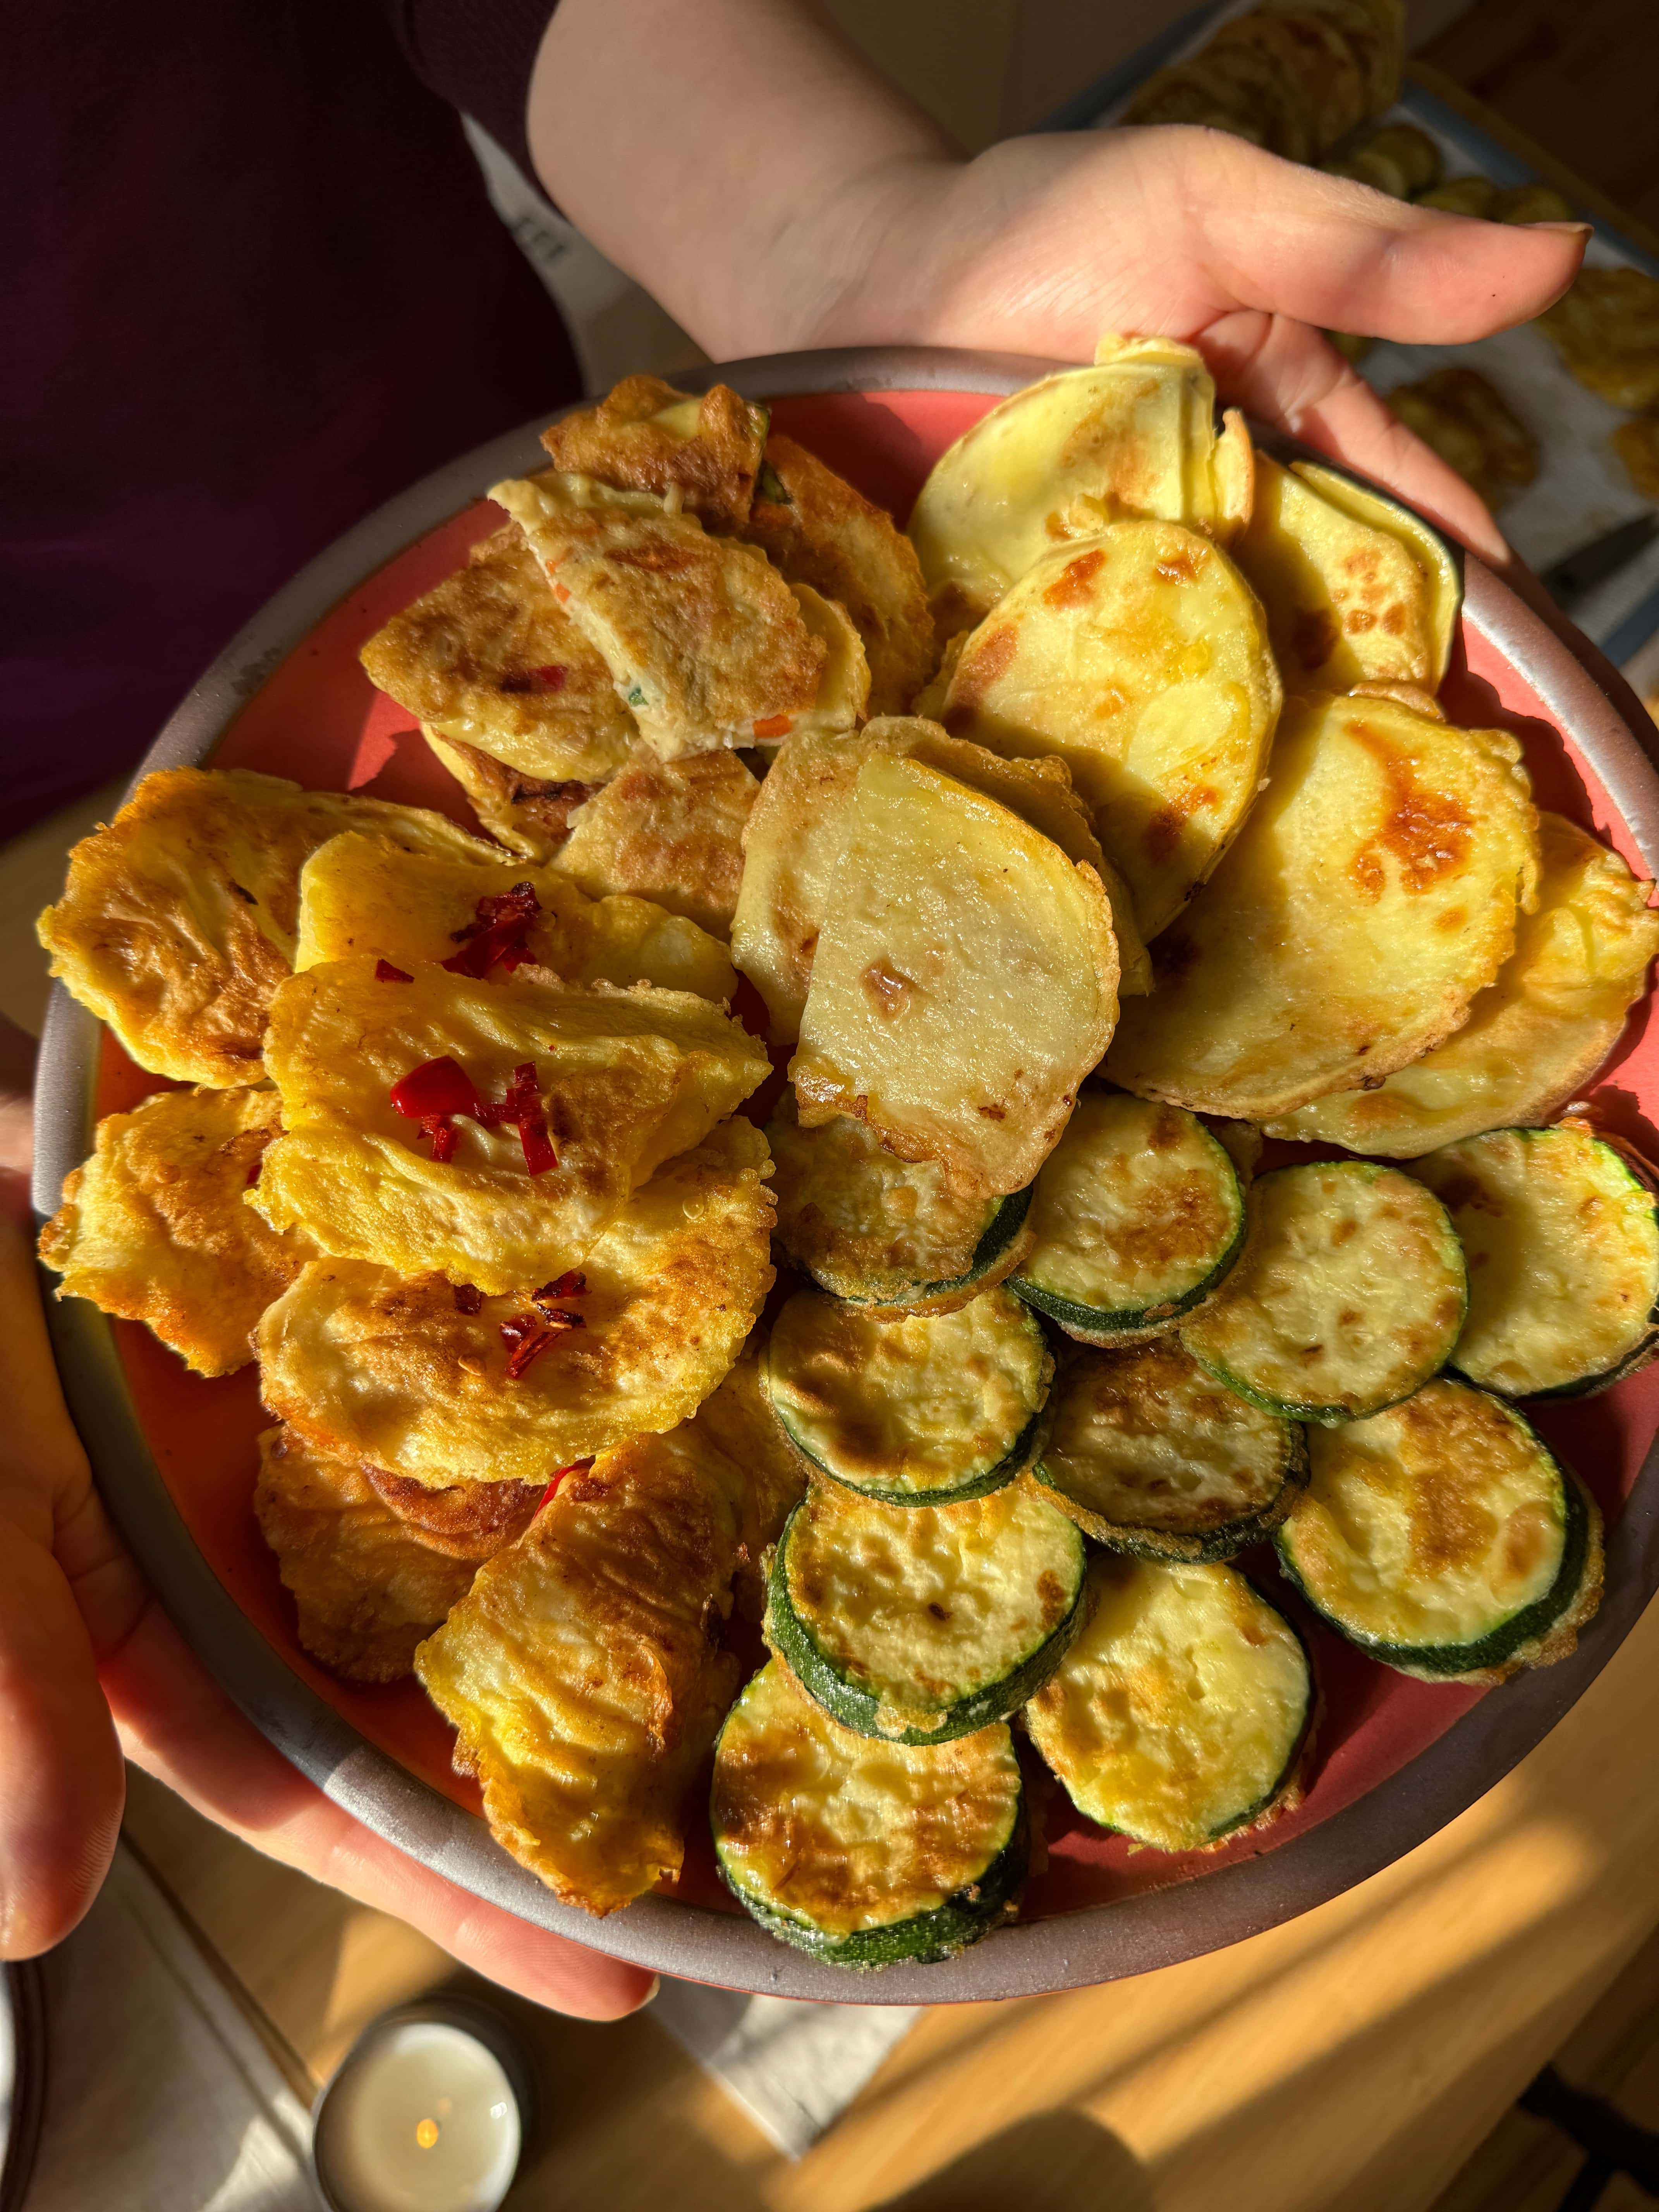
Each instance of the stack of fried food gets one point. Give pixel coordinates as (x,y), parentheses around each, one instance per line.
(1066,843)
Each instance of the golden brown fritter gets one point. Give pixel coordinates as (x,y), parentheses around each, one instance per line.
(583,1670)
(737,1420)
(366,1585)
(490,658)
(644,436)
(1606,328)
(528,814)
(1472,427)
(154,1227)
(671,831)
(467,1521)
(1636,444)
(829,536)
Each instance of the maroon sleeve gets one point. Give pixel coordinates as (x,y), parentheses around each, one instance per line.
(477,55)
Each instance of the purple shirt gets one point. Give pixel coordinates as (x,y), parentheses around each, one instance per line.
(252,287)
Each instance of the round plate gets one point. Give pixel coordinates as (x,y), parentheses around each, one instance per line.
(174,1455)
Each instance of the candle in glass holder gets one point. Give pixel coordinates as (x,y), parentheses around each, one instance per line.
(423,2116)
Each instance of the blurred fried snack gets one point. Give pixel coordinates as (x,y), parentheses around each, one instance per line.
(178,920)
(365,892)
(614,1082)
(671,831)
(1399,160)
(644,436)
(441,1384)
(490,660)
(1476,196)
(1636,444)
(1472,427)
(583,1671)
(739,1420)
(1524,204)
(153,1228)
(366,1585)
(1294,76)
(1606,328)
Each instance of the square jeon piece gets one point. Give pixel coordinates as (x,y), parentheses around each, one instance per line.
(525,1113)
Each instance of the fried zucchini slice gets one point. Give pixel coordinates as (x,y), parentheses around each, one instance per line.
(363,892)
(703,639)
(580,1674)
(924,1625)
(623,1080)
(795,839)
(1562,1240)
(1348,1295)
(366,1585)
(1535,1036)
(929,1410)
(963,983)
(1150,1455)
(1183,1714)
(490,660)
(818,531)
(1347,601)
(1133,436)
(152,1228)
(1137,1214)
(644,436)
(1373,893)
(178,920)
(671,831)
(892,1236)
(1142,661)
(737,1421)
(432,1383)
(1442,1538)
(1606,328)
(861,1851)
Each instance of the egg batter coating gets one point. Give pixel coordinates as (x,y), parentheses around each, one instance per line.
(667,831)
(644,436)
(528,814)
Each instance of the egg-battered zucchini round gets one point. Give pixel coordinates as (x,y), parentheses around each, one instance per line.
(1440,559)
(1562,1240)
(1443,1538)
(1184,1710)
(928,1624)
(1138,1214)
(1150,1455)
(892,1236)
(1348,1295)
(932,1409)
(862,1851)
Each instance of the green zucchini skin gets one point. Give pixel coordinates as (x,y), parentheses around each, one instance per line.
(845,1700)
(1214,1549)
(1002,1233)
(1025,1450)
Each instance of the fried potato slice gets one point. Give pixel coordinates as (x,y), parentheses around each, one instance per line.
(1142,661)
(1535,1036)
(1346,602)
(825,534)
(528,814)
(581,1673)
(626,1079)
(795,837)
(153,1227)
(739,1421)
(490,658)
(401,1374)
(367,1587)
(702,637)
(366,893)
(671,831)
(644,436)
(1372,893)
(963,984)
(178,920)
(1606,328)
(1133,436)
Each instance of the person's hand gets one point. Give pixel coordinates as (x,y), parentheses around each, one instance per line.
(90,1666)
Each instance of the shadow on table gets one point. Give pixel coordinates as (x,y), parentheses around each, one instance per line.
(1060,2156)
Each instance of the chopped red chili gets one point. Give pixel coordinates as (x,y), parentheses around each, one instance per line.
(773,726)
(469,1299)
(498,934)
(572,1283)
(437,1086)
(430,1093)
(576,1467)
(442,1130)
(527,1335)
(385,973)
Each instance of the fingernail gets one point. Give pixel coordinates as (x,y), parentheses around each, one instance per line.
(1566,229)
(656,1983)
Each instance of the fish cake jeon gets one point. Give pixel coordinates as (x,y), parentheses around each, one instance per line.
(435,1382)
(644,436)
(1535,1036)
(703,639)
(582,1671)
(178,920)
(671,831)
(1373,892)
(153,1227)
(366,1585)
(363,892)
(824,533)
(619,1081)
(528,814)
(490,658)
(1606,328)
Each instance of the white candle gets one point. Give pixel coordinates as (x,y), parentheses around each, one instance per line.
(421,2117)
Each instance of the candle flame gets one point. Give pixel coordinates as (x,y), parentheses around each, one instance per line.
(426,2133)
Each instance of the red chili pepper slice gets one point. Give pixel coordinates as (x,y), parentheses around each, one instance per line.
(576,1467)
(436,1086)
(572,1283)
(498,934)
(442,1130)
(439,1088)
(527,1335)
(385,973)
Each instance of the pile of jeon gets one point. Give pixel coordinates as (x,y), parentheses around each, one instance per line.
(1068,848)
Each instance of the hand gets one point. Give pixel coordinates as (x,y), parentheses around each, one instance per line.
(90,1666)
